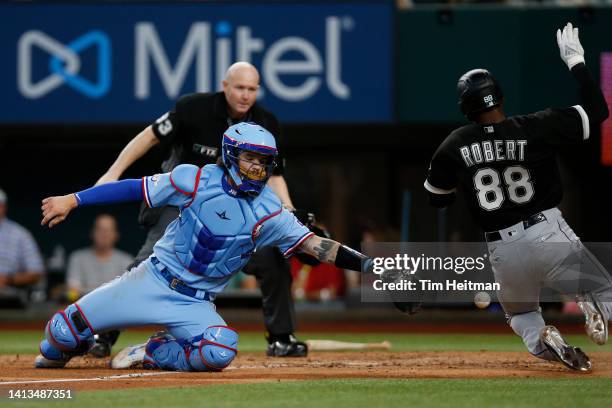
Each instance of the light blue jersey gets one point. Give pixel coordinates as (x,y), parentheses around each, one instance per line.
(217,229)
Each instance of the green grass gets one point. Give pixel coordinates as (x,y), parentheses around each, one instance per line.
(579,391)
(26,342)
(539,393)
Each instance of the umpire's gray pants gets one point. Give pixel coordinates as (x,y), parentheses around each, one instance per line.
(548,254)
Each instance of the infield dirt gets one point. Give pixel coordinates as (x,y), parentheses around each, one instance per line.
(91,374)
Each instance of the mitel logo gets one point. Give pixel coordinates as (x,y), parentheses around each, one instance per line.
(64,64)
(292,68)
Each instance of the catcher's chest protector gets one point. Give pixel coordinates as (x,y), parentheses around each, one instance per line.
(218,231)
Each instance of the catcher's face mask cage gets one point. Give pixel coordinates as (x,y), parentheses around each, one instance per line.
(249,172)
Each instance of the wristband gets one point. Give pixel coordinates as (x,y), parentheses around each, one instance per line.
(348,258)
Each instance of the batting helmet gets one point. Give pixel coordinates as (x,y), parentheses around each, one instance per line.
(478,91)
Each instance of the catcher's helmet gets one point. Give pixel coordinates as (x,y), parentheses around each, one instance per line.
(250,137)
(478,91)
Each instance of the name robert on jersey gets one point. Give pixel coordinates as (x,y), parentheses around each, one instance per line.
(487,151)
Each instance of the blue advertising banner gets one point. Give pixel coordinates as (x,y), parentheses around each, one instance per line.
(128,63)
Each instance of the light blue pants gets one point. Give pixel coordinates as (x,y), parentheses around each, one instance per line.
(140,297)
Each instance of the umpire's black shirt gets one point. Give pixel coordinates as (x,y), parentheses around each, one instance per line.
(192,130)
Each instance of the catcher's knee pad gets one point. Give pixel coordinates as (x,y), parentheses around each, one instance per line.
(68,331)
(167,353)
(216,349)
(211,351)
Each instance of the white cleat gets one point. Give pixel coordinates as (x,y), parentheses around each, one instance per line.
(42,362)
(571,357)
(596,323)
(129,357)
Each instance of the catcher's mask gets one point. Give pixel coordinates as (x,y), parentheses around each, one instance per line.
(249,154)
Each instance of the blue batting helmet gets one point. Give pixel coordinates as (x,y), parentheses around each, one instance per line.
(248,137)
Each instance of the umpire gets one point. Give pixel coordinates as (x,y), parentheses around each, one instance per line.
(191,133)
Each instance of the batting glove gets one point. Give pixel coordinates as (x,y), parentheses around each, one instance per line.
(570,48)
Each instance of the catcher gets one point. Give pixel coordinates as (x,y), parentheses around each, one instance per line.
(226,213)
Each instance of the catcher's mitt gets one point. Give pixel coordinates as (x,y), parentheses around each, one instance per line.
(404,301)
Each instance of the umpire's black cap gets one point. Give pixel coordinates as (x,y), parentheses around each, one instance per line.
(478,91)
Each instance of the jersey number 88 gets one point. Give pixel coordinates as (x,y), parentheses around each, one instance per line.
(487,183)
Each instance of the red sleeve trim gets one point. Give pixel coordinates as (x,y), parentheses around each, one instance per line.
(177,188)
(297,244)
(147,200)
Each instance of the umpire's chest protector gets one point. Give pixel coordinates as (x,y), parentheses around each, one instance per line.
(218,230)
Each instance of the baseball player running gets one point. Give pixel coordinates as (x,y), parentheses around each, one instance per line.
(508,171)
(226,212)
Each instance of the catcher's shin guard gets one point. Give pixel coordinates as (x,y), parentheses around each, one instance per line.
(50,357)
(67,334)
(212,351)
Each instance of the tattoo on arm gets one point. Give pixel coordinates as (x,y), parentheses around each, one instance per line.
(324,250)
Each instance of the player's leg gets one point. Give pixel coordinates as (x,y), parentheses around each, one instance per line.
(273,274)
(123,302)
(528,325)
(198,340)
(213,350)
(518,268)
(155,220)
(67,334)
(580,275)
(546,342)
(520,290)
(538,252)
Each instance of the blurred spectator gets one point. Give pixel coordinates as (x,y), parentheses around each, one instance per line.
(21,264)
(91,267)
(322,282)
(242,282)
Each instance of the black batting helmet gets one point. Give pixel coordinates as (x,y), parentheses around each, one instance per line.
(478,91)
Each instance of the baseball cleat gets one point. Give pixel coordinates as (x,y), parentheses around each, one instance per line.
(100,349)
(596,323)
(571,357)
(42,362)
(129,357)
(291,347)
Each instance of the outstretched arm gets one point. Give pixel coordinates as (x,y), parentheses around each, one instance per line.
(572,53)
(329,251)
(278,184)
(56,209)
(133,151)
